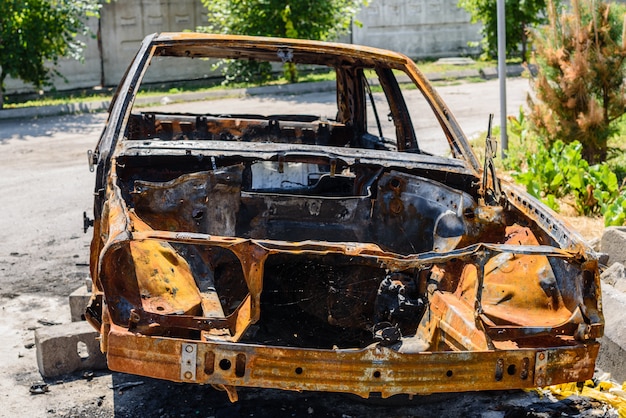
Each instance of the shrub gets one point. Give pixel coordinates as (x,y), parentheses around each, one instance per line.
(550,174)
(579,89)
(321,20)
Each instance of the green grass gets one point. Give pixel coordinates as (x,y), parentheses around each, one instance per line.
(316,77)
(51,99)
(431,66)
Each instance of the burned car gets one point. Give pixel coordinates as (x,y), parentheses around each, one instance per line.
(353,243)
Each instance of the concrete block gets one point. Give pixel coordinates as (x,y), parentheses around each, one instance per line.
(66,348)
(603,258)
(615,276)
(455,61)
(489,73)
(612,357)
(78,302)
(89,284)
(614,244)
(514,70)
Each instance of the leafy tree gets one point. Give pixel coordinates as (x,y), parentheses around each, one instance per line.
(520,15)
(305,19)
(579,89)
(36,32)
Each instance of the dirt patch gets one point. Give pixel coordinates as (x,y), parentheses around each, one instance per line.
(590,228)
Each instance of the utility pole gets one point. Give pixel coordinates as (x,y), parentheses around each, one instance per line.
(502,74)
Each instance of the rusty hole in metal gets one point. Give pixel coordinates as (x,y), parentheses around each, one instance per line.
(160,308)
(377,374)
(511,370)
(394,183)
(197,214)
(240,365)
(209,362)
(225,364)
(299,370)
(499,369)
(525,364)
(449,373)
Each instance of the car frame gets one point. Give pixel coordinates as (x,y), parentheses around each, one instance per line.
(494,291)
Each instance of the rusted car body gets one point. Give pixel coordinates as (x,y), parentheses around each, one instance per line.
(314,252)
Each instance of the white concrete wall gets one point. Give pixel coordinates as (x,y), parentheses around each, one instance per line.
(126,23)
(418,28)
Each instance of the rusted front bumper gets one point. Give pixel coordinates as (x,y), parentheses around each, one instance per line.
(374,369)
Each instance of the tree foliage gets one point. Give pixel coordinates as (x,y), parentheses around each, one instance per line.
(305,19)
(36,33)
(520,16)
(580,90)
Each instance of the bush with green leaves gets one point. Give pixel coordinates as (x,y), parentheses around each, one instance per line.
(615,212)
(521,137)
(35,33)
(560,175)
(560,171)
(520,16)
(304,19)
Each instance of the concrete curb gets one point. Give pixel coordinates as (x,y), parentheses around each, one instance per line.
(612,357)
(613,243)
(298,88)
(44,111)
(66,348)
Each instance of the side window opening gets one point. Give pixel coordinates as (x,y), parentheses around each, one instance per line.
(407,121)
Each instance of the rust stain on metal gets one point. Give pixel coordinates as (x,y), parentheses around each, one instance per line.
(265,249)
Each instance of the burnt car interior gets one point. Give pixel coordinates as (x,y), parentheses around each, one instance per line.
(329,232)
(347,128)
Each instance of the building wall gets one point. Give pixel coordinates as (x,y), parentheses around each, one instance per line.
(126,23)
(418,28)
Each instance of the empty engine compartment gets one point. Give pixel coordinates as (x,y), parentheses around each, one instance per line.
(298,201)
(320,298)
